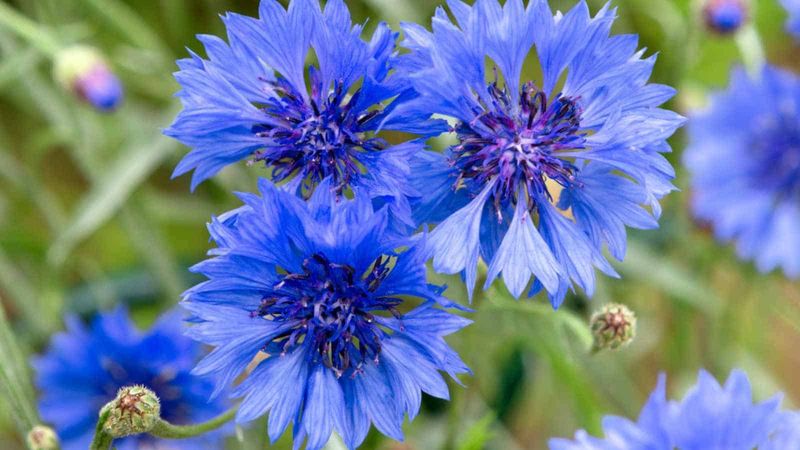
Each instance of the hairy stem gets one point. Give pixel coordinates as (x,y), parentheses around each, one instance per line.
(166,430)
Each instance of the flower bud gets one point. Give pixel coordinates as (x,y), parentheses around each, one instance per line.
(42,438)
(83,71)
(725,16)
(614,325)
(135,410)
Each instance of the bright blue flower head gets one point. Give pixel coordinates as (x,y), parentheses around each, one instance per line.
(793,24)
(249,100)
(710,417)
(85,366)
(345,329)
(744,158)
(545,172)
(725,16)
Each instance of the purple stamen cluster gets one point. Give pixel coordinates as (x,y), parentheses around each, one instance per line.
(317,137)
(330,308)
(515,143)
(777,152)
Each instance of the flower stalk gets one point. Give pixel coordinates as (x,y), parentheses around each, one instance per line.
(29,30)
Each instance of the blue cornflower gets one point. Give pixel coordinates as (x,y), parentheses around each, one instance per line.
(725,16)
(324,302)
(744,158)
(710,417)
(85,366)
(543,174)
(249,100)
(793,8)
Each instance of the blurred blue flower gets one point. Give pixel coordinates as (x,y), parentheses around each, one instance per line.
(249,100)
(543,175)
(725,16)
(710,417)
(85,366)
(317,295)
(744,158)
(793,8)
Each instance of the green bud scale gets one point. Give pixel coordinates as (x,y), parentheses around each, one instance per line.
(613,326)
(135,410)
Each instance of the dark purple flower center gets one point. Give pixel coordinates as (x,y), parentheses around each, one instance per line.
(317,137)
(331,309)
(777,152)
(515,143)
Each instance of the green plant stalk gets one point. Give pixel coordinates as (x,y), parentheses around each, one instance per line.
(29,30)
(101,439)
(166,430)
(751,49)
(14,385)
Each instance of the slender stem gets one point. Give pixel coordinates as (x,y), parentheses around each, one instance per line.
(101,440)
(29,30)
(751,49)
(166,430)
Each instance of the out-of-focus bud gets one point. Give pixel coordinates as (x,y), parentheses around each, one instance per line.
(83,71)
(725,16)
(614,325)
(135,410)
(42,438)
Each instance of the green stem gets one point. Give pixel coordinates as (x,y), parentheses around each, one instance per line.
(101,440)
(751,49)
(29,30)
(166,430)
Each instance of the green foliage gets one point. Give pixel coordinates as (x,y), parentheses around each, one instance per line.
(89,217)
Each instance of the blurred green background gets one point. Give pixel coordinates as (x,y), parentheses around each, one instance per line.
(89,217)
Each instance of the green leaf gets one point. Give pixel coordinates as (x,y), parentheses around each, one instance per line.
(110,193)
(15,380)
(564,318)
(644,264)
(479,434)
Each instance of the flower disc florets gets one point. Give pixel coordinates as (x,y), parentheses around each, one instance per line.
(315,138)
(330,308)
(516,142)
(776,150)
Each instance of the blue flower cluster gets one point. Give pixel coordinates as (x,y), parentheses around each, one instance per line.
(85,366)
(542,176)
(315,301)
(710,417)
(316,292)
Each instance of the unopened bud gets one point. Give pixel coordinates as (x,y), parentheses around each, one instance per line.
(84,71)
(135,410)
(42,438)
(725,16)
(614,325)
